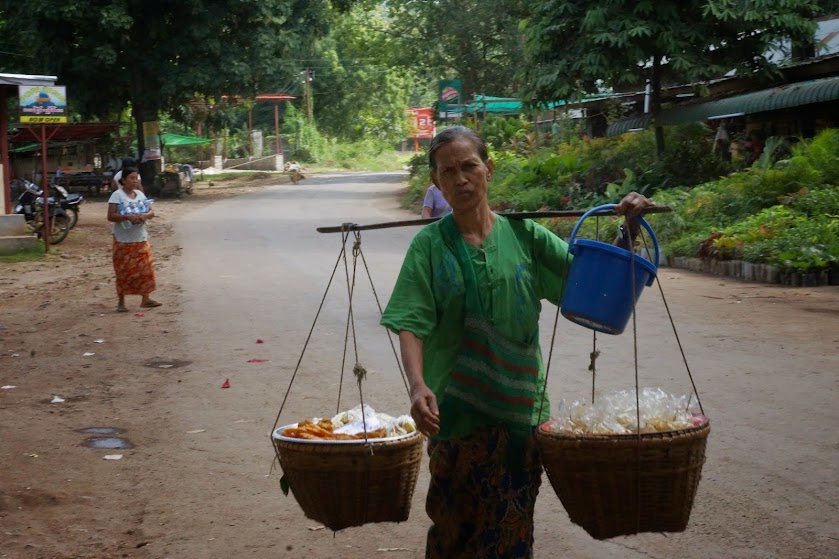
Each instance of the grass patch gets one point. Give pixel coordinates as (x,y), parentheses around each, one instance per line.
(221,177)
(362,160)
(25,255)
(341,160)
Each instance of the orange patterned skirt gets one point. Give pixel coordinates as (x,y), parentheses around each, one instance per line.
(134,266)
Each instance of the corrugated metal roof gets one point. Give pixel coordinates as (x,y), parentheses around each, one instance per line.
(773,99)
(629,123)
(61,132)
(26,79)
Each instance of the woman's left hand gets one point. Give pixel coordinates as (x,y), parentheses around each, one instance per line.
(632,204)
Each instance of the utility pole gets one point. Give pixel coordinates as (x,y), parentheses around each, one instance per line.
(308,75)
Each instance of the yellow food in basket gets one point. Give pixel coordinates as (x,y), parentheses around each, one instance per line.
(322,430)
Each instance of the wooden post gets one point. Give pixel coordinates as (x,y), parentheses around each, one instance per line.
(4,151)
(250,132)
(45,188)
(277,146)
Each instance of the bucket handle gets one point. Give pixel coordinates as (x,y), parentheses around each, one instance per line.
(641,220)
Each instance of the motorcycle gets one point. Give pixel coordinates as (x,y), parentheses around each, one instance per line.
(30,204)
(69,202)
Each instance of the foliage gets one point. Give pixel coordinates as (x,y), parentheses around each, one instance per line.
(786,214)
(510,133)
(476,41)
(366,155)
(307,144)
(815,202)
(597,171)
(801,245)
(359,93)
(158,54)
(822,152)
(571,45)
(418,163)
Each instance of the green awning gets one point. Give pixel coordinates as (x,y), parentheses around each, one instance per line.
(513,106)
(171,140)
(773,99)
(176,140)
(25,147)
(494,105)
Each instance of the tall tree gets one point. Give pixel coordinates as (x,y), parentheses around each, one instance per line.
(158,54)
(359,92)
(572,44)
(477,41)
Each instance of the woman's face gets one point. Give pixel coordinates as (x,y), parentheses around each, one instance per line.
(131,182)
(462,175)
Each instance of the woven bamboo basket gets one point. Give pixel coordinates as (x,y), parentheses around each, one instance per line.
(344,485)
(596,477)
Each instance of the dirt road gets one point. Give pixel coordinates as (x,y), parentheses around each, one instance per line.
(197,481)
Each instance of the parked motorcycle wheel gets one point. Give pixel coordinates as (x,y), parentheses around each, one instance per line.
(73,214)
(59,229)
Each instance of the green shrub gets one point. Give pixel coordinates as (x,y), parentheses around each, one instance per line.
(818,201)
(534,199)
(686,245)
(783,210)
(823,154)
(306,143)
(809,245)
(671,225)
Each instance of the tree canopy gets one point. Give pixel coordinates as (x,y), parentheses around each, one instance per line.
(359,93)
(573,44)
(372,59)
(159,54)
(477,41)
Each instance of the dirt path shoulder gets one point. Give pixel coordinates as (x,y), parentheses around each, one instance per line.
(60,337)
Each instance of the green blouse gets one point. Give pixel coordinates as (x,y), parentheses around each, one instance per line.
(519,264)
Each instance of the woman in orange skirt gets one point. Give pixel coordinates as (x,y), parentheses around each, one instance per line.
(133,259)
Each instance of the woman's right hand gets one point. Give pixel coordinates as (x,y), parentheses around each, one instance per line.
(424,410)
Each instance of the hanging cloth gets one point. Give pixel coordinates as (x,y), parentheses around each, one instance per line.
(495,379)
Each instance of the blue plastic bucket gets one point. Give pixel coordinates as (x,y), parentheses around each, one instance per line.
(598,293)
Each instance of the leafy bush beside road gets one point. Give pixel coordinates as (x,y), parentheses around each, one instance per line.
(783,212)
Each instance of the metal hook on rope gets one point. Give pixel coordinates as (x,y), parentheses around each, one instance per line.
(356,247)
(360,372)
(593,357)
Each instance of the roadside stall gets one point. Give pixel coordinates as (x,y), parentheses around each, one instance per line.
(73,160)
(9,84)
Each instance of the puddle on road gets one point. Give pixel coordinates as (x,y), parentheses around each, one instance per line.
(108,443)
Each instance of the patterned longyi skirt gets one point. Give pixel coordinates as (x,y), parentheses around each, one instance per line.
(480,507)
(134,267)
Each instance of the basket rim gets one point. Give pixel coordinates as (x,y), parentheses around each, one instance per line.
(309,443)
(698,431)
